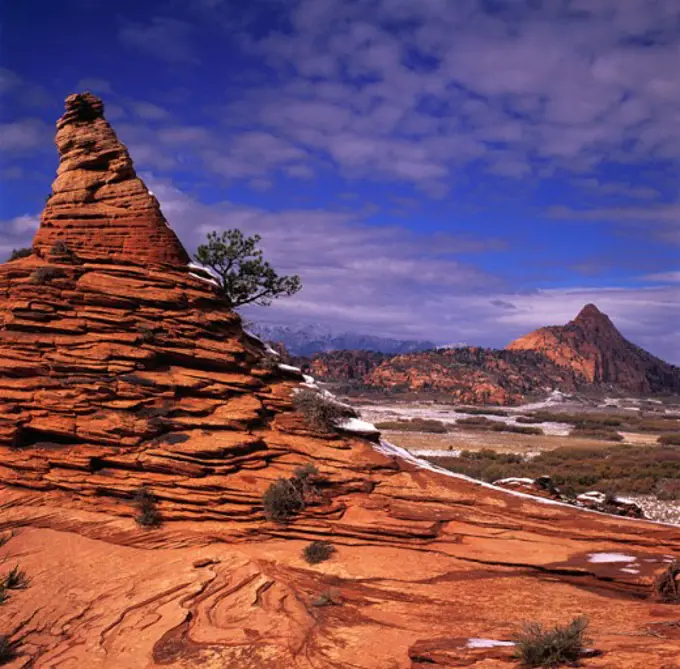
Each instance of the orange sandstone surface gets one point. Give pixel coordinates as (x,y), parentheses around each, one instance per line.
(117,373)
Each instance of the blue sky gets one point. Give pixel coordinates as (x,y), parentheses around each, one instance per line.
(453,170)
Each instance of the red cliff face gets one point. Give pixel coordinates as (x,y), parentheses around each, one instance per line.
(99,207)
(592,346)
(121,374)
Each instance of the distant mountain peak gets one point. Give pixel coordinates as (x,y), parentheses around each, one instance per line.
(591,313)
(592,346)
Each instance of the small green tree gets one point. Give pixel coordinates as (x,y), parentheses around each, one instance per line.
(244,277)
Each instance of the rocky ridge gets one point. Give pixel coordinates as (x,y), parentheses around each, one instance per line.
(117,373)
(587,353)
(469,375)
(592,346)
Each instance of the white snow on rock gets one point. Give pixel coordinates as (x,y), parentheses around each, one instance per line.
(357,425)
(436,453)
(289,368)
(204,278)
(514,479)
(592,496)
(629,570)
(606,558)
(487,643)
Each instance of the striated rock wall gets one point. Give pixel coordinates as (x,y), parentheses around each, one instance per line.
(98,206)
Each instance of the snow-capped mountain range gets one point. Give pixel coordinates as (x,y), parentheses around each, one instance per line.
(311,339)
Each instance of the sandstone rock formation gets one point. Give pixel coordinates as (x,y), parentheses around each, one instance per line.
(592,346)
(116,373)
(98,205)
(587,353)
(469,375)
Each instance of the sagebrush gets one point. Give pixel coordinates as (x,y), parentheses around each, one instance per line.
(318,551)
(538,646)
(147,508)
(321,413)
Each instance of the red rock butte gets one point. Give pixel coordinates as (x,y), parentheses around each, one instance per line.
(98,206)
(122,374)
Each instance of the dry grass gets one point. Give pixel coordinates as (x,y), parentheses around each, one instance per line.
(666,585)
(415,425)
(551,647)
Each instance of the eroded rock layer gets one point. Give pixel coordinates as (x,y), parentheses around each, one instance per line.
(118,376)
(98,207)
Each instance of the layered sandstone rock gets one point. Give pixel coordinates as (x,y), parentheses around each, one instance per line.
(118,375)
(98,207)
(592,346)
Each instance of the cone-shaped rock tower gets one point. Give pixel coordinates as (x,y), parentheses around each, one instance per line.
(99,207)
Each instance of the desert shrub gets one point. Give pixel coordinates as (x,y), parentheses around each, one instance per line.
(480,411)
(44,275)
(537,646)
(474,422)
(147,510)
(269,361)
(321,413)
(528,420)
(8,649)
(414,425)
(60,249)
(668,489)
(318,551)
(20,253)
(15,580)
(670,439)
(594,433)
(306,472)
(517,429)
(666,586)
(282,500)
(621,469)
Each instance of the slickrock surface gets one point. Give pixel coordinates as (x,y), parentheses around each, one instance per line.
(114,376)
(98,206)
(592,346)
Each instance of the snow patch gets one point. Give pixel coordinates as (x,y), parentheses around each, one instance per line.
(514,479)
(436,453)
(487,643)
(357,425)
(607,558)
(630,570)
(289,368)
(204,278)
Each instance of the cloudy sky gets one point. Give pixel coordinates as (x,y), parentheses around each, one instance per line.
(457,170)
